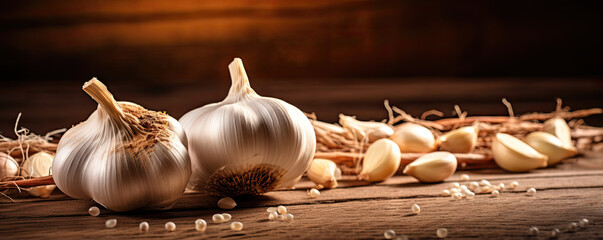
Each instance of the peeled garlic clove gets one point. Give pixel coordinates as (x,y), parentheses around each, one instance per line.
(123,156)
(38,165)
(366,129)
(550,146)
(461,140)
(324,172)
(247,144)
(514,155)
(559,128)
(8,166)
(414,138)
(432,167)
(381,161)
(227,203)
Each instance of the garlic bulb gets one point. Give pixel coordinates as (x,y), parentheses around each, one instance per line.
(514,155)
(372,131)
(324,172)
(461,140)
(8,166)
(550,146)
(559,128)
(247,144)
(414,138)
(432,167)
(381,161)
(123,157)
(38,165)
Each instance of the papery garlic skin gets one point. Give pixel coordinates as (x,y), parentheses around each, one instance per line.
(461,140)
(381,161)
(414,138)
(515,155)
(123,156)
(432,167)
(324,172)
(365,130)
(38,165)
(247,144)
(559,128)
(550,146)
(8,166)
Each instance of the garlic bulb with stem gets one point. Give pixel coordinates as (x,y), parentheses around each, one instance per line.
(381,161)
(365,130)
(550,146)
(432,167)
(414,138)
(461,140)
(8,166)
(38,165)
(559,128)
(247,144)
(324,173)
(123,156)
(515,155)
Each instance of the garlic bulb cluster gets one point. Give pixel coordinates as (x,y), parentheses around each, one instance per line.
(381,161)
(247,144)
(324,173)
(365,130)
(514,155)
(8,166)
(123,156)
(432,167)
(461,140)
(550,146)
(414,138)
(38,165)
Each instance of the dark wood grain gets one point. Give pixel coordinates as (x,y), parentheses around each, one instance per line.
(356,210)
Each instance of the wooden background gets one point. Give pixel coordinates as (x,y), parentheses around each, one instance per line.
(324,57)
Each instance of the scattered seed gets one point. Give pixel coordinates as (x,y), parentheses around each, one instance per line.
(217,218)
(93,211)
(143,227)
(531,191)
(288,217)
(584,223)
(415,209)
(271,209)
(473,185)
(495,193)
(389,234)
(501,186)
(464,177)
(227,203)
(513,184)
(572,227)
(484,182)
(170,226)
(533,231)
(272,216)
(555,233)
(200,225)
(470,195)
(455,190)
(445,192)
(282,210)
(111,223)
(442,232)
(226,217)
(455,185)
(313,193)
(457,196)
(236,226)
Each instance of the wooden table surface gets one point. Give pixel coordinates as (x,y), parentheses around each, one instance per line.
(565,193)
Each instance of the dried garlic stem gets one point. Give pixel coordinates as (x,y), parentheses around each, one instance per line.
(25,183)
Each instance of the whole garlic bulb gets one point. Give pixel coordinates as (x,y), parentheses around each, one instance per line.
(324,172)
(550,146)
(432,167)
(123,156)
(414,138)
(8,166)
(513,155)
(381,161)
(39,165)
(247,144)
(461,140)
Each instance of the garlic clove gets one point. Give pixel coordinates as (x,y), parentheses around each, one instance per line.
(381,161)
(432,167)
(227,203)
(559,128)
(366,129)
(324,172)
(414,138)
(461,140)
(39,165)
(514,155)
(8,166)
(550,146)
